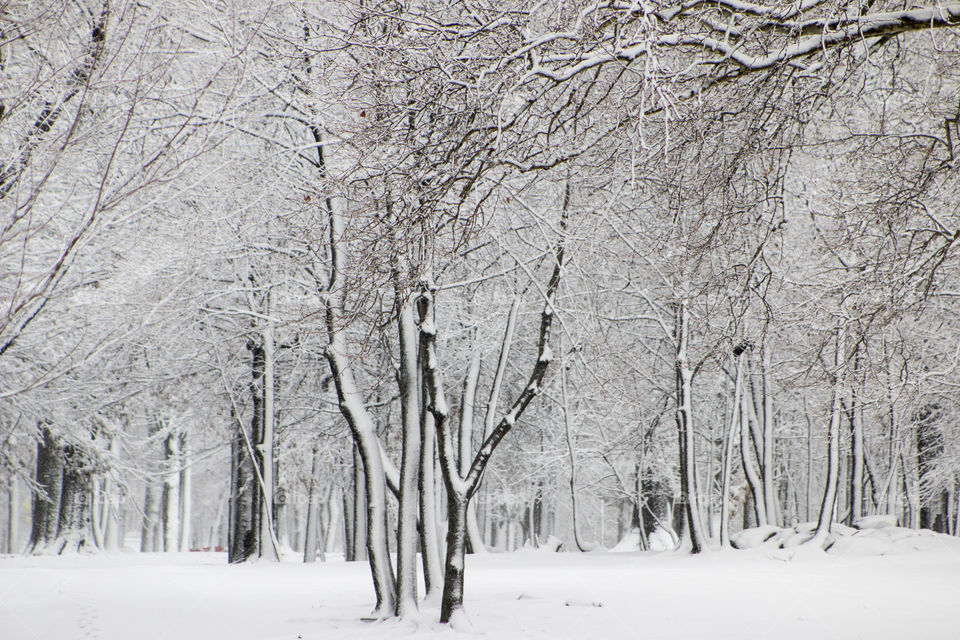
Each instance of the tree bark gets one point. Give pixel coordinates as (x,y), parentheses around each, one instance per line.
(310,539)
(73,524)
(13,515)
(728,452)
(171,493)
(429,543)
(46,503)
(407,534)
(828,505)
(268,544)
(684,417)
(186,491)
(361,424)
(769,468)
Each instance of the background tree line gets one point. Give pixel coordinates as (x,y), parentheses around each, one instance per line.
(439,277)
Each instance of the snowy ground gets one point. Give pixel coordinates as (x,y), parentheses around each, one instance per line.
(759,593)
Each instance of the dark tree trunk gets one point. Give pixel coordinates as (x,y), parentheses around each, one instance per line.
(243,542)
(452,601)
(73,528)
(933,512)
(46,505)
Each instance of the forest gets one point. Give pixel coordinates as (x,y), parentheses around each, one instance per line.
(403,282)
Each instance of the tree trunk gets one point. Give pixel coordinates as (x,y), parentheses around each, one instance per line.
(429,543)
(244,488)
(186,490)
(451,605)
(46,503)
(749,470)
(310,539)
(828,505)
(265,446)
(13,515)
(728,451)
(684,418)
(171,493)
(769,468)
(359,540)
(856,454)
(73,525)
(407,534)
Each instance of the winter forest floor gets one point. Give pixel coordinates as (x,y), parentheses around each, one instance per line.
(760,593)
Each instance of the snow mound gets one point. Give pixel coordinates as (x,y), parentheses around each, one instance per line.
(660,539)
(628,543)
(751,538)
(875,522)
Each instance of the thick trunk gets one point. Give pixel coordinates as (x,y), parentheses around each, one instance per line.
(244,491)
(451,605)
(46,503)
(73,525)
(407,535)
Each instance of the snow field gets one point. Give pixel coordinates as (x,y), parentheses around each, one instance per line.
(758,593)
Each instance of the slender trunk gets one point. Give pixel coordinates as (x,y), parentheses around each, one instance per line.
(359,541)
(186,492)
(684,418)
(809,492)
(13,515)
(151,517)
(565,407)
(828,506)
(728,451)
(310,539)
(111,520)
(332,524)
(856,464)
(469,396)
(171,493)
(265,446)
(769,494)
(429,544)
(749,470)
